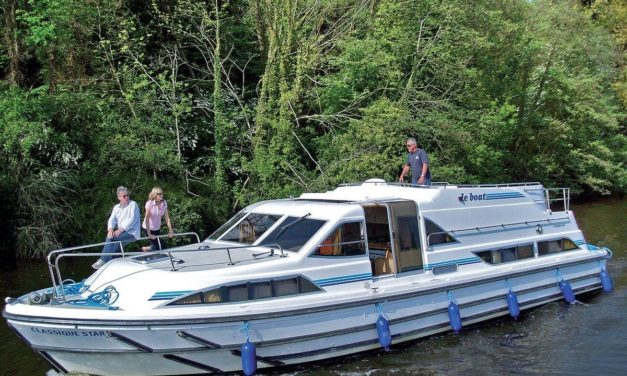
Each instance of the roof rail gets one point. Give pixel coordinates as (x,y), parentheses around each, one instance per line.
(563,196)
(442,184)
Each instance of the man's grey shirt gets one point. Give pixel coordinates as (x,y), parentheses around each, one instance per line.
(415,161)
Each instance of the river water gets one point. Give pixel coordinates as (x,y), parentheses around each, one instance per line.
(555,339)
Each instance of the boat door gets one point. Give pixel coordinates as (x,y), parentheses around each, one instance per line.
(393,237)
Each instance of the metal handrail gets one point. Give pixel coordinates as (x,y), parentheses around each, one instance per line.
(498,185)
(446,184)
(451,232)
(57,254)
(58,287)
(565,197)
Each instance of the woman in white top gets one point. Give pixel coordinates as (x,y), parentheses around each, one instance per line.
(156,208)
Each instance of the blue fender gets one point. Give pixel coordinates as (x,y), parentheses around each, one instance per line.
(567,291)
(383,330)
(249,358)
(454,317)
(606,281)
(512,304)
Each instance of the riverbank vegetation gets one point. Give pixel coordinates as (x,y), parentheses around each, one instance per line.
(225,102)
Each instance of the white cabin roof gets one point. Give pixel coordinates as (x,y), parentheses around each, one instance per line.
(438,196)
(313,209)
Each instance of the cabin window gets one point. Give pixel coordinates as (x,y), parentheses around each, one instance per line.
(286,287)
(346,240)
(293,233)
(262,290)
(524,251)
(249,229)
(508,254)
(436,235)
(238,293)
(251,291)
(226,226)
(190,299)
(555,246)
(305,286)
(212,296)
(499,256)
(568,245)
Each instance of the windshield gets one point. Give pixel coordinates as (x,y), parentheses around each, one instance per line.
(249,229)
(222,229)
(293,233)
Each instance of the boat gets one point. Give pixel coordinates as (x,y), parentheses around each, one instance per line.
(363,267)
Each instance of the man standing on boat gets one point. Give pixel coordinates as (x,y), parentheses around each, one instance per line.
(418,160)
(122,227)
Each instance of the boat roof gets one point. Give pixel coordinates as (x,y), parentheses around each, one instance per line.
(323,209)
(377,190)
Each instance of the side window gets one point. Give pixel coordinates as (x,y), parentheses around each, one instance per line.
(524,251)
(256,290)
(250,228)
(293,233)
(286,287)
(212,296)
(238,293)
(437,235)
(568,245)
(190,299)
(555,246)
(262,290)
(346,240)
(499,256)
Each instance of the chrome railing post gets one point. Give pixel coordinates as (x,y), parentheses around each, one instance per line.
(171,261)
(228,252)
(52,278)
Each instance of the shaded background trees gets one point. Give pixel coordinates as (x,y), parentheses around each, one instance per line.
(226,102)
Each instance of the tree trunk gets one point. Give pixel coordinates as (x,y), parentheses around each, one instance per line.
(220,131)
(13,45)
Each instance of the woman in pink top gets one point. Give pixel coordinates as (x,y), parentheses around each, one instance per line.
(156,208)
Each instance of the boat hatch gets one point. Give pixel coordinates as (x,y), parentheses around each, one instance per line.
(151,257)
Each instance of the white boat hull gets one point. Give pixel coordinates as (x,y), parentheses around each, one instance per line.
(295,337)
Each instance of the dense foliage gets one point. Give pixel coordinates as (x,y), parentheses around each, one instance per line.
(224,102)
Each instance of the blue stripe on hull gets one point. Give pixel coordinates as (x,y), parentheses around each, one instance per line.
(343,279)
(465,261)
(167,295)
(499,196)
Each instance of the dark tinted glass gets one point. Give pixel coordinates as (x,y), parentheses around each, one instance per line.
(249,229)
(191,299)
(286,287)
(262,290)
(293,232)
(238,293)
(222,229)
(436,235)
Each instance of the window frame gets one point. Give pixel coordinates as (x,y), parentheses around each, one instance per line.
(303,285)
(338,226)
(495,256)
(257,238)
(446,234)
(265,241)
(561,242)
